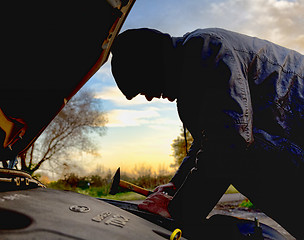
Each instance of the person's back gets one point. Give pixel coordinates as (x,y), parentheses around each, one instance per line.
(245,95)
(265,79)
(260,87)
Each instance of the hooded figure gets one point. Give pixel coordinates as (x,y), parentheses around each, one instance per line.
(242,100)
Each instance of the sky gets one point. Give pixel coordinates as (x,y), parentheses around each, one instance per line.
(140,133)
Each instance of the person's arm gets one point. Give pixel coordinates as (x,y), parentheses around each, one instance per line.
(187,164)
(158,202)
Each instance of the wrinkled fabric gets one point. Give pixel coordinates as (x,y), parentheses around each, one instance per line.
(246,96)
(244,87)
(266,81)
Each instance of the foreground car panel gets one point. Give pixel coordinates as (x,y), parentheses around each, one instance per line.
(52,214)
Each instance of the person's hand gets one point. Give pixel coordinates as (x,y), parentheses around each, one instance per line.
(157,203)
(166,188)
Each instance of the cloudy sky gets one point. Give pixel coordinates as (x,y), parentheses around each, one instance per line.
(141,132)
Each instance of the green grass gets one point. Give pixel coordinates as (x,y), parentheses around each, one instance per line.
(247,204)
(96,186)
(99,192)
(126,196)
(102,192)
(94,191)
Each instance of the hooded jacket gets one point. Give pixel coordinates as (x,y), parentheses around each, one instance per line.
(237,88)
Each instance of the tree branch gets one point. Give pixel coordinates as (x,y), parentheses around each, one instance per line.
(69,129)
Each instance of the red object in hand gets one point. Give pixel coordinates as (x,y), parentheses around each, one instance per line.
(157,203)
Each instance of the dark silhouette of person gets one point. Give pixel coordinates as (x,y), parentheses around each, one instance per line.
(242,99)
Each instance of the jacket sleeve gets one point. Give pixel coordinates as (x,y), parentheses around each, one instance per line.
(187,164)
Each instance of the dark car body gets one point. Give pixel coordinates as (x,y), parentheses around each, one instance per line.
(49,51)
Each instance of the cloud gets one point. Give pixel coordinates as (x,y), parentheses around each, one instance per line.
(278,21)
(300,41)
(157,114)
(127,118)
(152,117)
(112,93)
(105,70)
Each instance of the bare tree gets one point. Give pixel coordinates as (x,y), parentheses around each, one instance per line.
(72,130)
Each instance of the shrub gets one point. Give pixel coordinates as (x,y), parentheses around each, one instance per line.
(247,204)
(98,186)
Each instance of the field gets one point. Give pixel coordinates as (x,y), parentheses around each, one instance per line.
(98,186)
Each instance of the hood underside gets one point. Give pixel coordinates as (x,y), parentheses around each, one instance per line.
(50,51)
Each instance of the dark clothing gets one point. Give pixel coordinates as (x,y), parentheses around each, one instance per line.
(242,99)
(247,95)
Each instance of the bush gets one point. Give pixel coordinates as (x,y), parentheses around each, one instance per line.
(150,182)
(247,204)
(98,186)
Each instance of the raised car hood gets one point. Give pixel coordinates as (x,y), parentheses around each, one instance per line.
(48,52)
